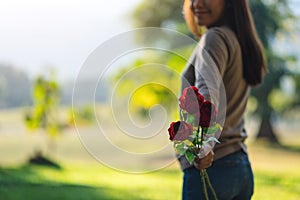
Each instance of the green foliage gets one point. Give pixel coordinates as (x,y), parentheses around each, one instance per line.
(156,13)
(43,115)
(180,147)
(149,83)
(270,18)
(213,129)
(190,156)
(84,115)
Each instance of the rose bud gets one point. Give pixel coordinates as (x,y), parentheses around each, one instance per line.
(180,131)
(191,100)
(208,114)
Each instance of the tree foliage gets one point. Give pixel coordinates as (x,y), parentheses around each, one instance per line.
(156,13)
(151,80)
(270,18)
(44,113)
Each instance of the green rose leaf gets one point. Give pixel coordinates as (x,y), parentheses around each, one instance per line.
(195,132)
(180,148)
(212,129)
(190,156)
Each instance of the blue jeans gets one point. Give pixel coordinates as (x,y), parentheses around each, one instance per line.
(231,177)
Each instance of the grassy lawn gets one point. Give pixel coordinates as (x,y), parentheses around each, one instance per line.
(87,182)
(277,174)
(275,178)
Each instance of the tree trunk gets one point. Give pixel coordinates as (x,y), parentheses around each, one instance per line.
(266,132)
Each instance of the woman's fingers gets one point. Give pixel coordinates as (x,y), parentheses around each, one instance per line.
(205,162)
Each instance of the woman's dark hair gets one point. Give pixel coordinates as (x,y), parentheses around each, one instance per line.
(238,17)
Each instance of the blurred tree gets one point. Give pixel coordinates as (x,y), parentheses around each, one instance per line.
(153,79)
(156,13)
(14,87)
(44,113)
(296,99)
(272,17)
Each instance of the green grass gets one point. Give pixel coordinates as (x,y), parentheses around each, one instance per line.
(273,180)
(270,185)
(276,170)
(87,182)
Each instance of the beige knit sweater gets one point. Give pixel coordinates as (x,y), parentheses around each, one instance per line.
(215,67)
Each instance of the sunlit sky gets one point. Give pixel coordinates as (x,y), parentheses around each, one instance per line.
(38,34)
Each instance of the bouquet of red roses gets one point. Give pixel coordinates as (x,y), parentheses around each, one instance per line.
(195,129)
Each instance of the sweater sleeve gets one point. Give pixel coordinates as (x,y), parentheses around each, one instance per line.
(210,65)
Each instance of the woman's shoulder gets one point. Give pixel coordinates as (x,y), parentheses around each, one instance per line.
(219,43)
(220,30)
(218,37)
(224,32)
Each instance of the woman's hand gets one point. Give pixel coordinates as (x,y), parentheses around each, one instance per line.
(204,162)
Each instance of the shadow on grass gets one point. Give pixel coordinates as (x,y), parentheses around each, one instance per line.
(26,183)
(39,159)
(279,146)
(295,149)
(287,148)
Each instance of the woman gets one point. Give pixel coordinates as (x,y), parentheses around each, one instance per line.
(231,42)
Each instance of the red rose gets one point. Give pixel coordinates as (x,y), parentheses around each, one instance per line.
(180,131)
(191,100)
(208,113)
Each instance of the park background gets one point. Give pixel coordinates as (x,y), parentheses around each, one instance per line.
(48,41)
